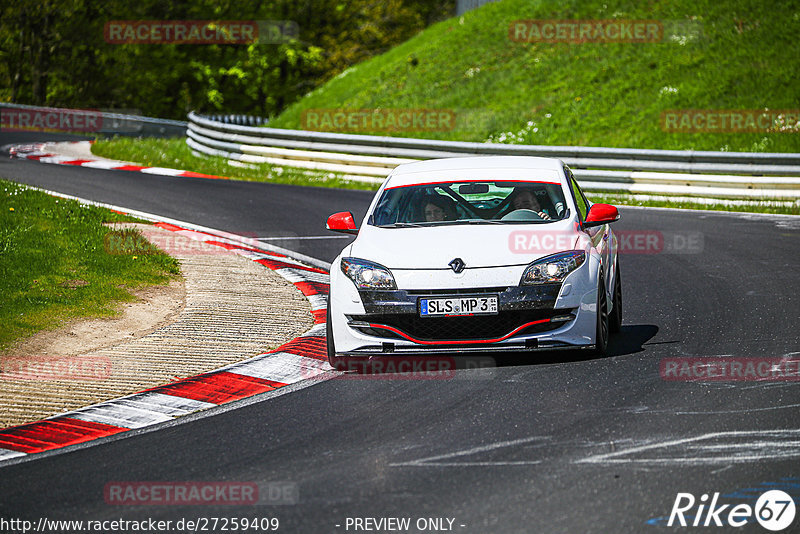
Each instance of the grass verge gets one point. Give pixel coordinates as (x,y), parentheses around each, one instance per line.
(730,55)
(175,154)
(54,265)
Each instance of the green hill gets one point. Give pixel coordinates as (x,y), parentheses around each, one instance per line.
(713,55)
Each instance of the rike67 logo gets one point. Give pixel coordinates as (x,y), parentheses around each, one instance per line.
(774,510)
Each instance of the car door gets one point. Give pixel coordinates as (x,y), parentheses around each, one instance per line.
(599,235)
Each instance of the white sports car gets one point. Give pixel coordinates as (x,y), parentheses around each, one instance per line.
(485,254)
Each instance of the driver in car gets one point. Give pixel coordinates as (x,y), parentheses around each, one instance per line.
(439,208)
(525,199)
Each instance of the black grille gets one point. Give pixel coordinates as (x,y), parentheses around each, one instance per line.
(460,328)
(463,291)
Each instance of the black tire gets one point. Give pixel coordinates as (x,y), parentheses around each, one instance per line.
(615,320)
(602,331)
(337,362)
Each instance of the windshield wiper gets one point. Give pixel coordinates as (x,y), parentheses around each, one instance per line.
(400,225)
(533,221)
(482,221)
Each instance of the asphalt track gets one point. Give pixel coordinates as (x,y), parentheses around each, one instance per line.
(547,443)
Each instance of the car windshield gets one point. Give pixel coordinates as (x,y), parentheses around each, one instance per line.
(470,202)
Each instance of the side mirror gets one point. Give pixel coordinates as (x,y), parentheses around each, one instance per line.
(600,214)
(342,222)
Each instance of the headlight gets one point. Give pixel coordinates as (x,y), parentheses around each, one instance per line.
(552,268)
(367,275)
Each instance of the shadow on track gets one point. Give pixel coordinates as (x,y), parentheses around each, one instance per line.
(630,340)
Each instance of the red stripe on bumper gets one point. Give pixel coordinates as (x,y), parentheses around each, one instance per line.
(457,342)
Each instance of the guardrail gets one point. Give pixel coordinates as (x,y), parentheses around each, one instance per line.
(371,158)
(20,117)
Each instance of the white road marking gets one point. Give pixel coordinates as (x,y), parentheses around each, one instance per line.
(746,444)
(432,461)
(769,445)
(721,412)
(468,464)
(720,470)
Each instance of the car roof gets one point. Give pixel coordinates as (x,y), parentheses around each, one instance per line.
(522,168)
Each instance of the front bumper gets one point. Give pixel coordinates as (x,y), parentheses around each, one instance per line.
(528,319)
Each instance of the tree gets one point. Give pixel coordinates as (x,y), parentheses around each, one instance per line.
(53,52)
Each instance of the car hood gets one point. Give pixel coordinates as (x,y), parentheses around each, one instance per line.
(478,245)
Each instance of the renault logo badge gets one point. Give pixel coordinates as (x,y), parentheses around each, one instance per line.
(457,265)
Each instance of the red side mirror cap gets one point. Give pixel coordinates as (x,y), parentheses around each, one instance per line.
(342,222)
(600,214)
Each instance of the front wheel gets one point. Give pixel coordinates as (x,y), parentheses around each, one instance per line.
(615,321)
(601,333)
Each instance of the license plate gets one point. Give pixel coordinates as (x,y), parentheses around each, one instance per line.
(457,306)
